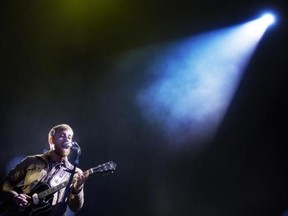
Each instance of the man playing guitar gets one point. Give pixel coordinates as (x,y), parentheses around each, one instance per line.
(49,170)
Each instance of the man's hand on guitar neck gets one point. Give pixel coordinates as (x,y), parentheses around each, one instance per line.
(22,200)
(81,178)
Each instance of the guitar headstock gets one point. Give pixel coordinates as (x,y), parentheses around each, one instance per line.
(105,168)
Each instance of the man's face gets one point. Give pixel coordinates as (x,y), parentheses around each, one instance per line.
(60,138)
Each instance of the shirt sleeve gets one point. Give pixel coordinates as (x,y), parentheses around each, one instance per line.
(13,178)
(76,200)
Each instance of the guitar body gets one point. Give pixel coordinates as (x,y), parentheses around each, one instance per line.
(44,205)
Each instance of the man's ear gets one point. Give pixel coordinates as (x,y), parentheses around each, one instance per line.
(51,142)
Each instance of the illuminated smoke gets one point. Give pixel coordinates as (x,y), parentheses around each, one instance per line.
(193,81)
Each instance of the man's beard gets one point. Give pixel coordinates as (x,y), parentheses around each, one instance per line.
(62,152)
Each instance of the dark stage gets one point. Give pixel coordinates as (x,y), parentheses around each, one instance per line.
(62,62)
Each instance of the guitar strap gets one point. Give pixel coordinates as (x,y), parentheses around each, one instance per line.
(58,177)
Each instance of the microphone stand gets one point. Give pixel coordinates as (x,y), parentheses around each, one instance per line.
(67,191)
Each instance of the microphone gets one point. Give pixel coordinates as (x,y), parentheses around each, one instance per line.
(73,145)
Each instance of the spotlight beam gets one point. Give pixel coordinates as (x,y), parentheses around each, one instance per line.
(194,80)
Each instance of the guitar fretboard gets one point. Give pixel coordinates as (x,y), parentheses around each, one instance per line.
(103,168)
(52,190)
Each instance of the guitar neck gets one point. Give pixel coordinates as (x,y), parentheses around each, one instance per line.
(52,190)
(103,168)
(58,187)
(90,171)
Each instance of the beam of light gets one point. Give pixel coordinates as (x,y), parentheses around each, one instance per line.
(192,82)
(259,26)
(268,19)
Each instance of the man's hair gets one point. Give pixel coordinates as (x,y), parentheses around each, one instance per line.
(58,128)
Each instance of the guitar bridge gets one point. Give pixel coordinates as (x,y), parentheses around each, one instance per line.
(35,199)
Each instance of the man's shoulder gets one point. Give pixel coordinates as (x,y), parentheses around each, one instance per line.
(37,157)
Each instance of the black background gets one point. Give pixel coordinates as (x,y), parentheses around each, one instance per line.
(58,66)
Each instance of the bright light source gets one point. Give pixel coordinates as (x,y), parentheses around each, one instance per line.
(260,25)
(268,19)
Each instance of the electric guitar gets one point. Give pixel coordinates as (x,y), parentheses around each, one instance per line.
(42,195)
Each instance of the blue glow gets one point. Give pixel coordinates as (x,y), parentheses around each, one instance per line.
(13,162)
(192,81)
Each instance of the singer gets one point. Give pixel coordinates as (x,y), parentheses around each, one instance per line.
(26,188)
